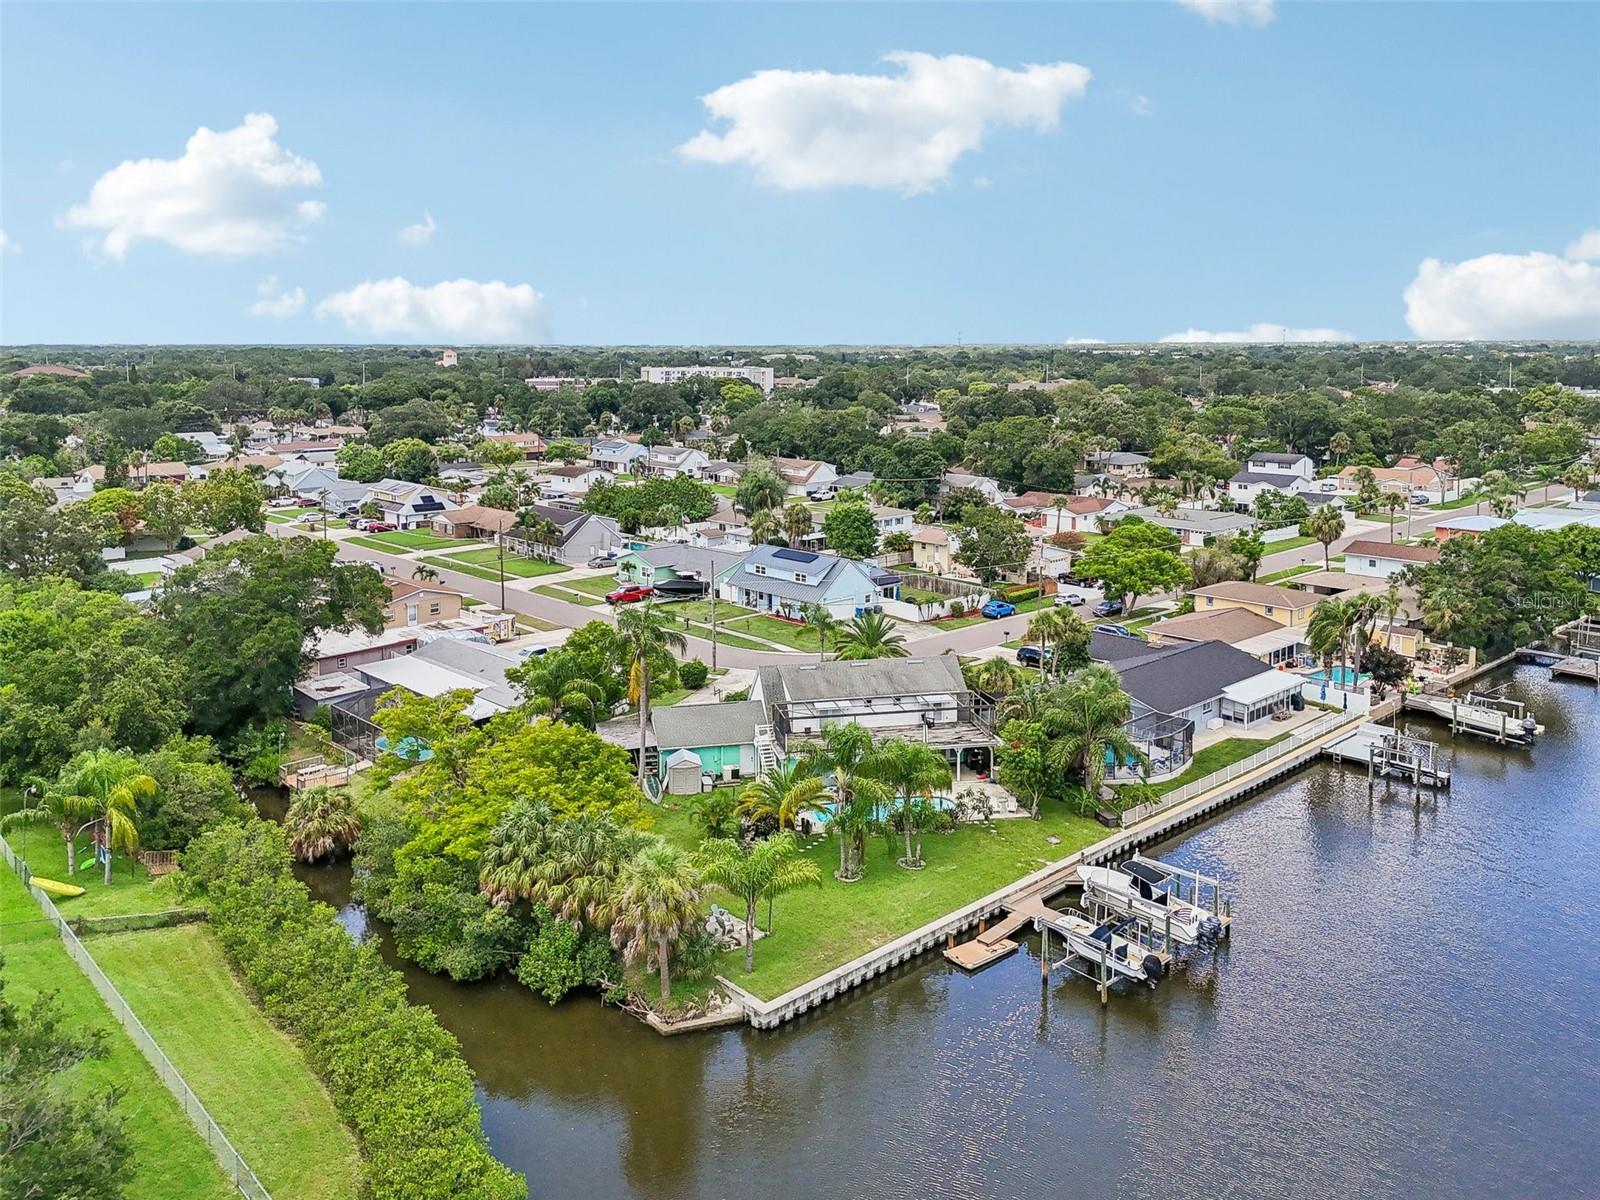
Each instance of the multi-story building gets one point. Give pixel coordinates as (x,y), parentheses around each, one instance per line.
(762,377)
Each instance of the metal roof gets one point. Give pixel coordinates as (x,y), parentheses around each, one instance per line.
(933,675)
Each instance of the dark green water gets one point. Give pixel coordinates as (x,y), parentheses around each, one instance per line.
(1410,1007)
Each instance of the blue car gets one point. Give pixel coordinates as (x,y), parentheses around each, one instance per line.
(998,608)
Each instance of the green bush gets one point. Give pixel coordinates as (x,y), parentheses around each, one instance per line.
(322,718)
(395,1075)
(741,694)
(560,958)
(1018,593)
(693,674)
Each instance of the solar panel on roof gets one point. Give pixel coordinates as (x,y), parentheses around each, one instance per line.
(802,556)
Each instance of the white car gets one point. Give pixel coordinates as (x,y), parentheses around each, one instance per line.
(1071,599)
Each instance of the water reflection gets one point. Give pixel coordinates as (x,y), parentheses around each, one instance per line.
(1407,1008)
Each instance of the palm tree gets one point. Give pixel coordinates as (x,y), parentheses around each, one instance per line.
(820,618)
(1048,627)
(911,771)
(784,794)
(871,635)
(1342,626)
(845,753)
(1576,477)
(107,787)
(646,633)
(556,686)
(657,903)
(1326,525)
(997,676)
(569,866)
(1448,612)
(320,822)
(751,872)
(65,811)
(1340,445)
(765,527)
(1394,502)
(1390,605)
(796,522)
(759,489)
(1086,720)
(425,573)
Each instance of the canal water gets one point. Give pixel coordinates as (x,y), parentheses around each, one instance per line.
(1410,1006)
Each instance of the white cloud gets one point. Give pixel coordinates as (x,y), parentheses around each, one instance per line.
(1233,12)
(800,130)
(230,195)
(982,181)
(1586,248)
(274,301)
(7,246)
(1142,105)
(1509,296)
(1261,332)
(463,310)
(421,233)
(1083,341)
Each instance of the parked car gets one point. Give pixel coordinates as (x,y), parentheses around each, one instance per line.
(1033,656)
(310,518)
(1421,498)
(998,608)
(1068,579)
(631,594)
(1071,599)
(1109,607)
(380,527)
(1117,631)
(821,494)
(607,559)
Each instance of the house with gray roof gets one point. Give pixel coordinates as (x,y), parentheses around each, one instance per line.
(721,736)
(782,580)
(1195,526)
(675,560)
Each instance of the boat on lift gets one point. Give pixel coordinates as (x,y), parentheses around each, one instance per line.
(1143,888)
(1104,944)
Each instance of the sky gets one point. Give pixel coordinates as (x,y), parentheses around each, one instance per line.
(801,173)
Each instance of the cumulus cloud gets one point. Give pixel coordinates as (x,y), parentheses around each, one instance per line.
(273,301)
(1509,296)
(421,233)
(1233,12)
(7,246)
(806,130)
(1083,341)
(231,194)
(462,310)
(1261,331)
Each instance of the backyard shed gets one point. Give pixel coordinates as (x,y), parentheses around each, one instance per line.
(683,773)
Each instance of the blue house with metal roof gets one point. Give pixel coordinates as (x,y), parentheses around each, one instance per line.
(781,580)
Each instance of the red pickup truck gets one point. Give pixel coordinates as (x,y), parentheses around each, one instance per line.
(631,594)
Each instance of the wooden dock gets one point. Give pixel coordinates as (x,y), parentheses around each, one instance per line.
(1577,667)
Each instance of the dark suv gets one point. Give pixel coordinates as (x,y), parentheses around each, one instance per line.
(1033,656)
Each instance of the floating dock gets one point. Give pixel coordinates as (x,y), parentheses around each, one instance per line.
(1388,752)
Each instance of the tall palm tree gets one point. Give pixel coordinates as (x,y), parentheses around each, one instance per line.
(1342,627)
(645,633)
(996,676)
(796,522)
(765,528)
(1390,605)
(107,787)
(1086,719)
(784,793)
(320,822)
(912,772)
(752,872)
(1394,502)
(1577,478)
(871,635)
(64,811)
(1326,525)
(824,622)
(759,489)
(424,572)
(657,902)
(1047,628)
(556,686)
(845,754)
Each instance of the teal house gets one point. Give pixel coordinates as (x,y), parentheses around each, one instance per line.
(654,565)
(721,736)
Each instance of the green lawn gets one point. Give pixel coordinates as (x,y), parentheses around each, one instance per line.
(1215,757)
(253,1078)
(958,622)
(537,624)
(413,539)
(774,629)
(700,610)
(594,585)
(1457,502)
(131,891)
(169,1156)
(819,928)
(516,564)
(561,593)
(1288,574)
(724,638)
(1293,543)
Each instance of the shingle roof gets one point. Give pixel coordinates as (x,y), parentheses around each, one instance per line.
(683,560)
(1256,593)
(933,675)
(1263,477)
(1231,625)
(1284,460)
(1372,549)
(688,725)
(1175,678)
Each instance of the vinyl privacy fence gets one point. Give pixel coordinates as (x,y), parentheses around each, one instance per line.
(233,1164)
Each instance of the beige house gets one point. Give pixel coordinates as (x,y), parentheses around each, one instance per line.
(413,603)
(933,549)
(1286,606)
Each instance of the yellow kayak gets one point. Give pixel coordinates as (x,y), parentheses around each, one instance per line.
(65,890)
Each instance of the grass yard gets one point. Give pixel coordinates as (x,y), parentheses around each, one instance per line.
(535,624)
(958,622)
(413,539)
(1457,502)
(820,928)
(516,564)
(724,638)
(1215,757)
(774,629)
(131,891)
(169,1156)
(1288,574)
(1293,543)
(252,1078)
(594,585)
(700,610)
(554,591)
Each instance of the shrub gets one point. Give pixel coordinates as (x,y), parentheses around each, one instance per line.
(731,697)
(1018,593)
(322,718)
(560,958)
(693,674)
(395,1075)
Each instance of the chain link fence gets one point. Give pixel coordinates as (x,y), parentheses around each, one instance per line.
(233,1164)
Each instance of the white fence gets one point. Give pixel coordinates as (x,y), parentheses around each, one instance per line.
(233,1164)
(1306,733)
(1281,534)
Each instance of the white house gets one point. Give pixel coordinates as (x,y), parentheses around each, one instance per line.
(778,579)
(669,462)
(1286,473)
(572,481)
(406,505)
(890,520)
(802,475)
(1196,526)
(952,480)
(1383,560)
(617,455)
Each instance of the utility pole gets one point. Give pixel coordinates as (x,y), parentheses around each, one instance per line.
(501,540)
(713,557)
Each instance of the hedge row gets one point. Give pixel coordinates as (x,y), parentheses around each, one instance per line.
(396,1076)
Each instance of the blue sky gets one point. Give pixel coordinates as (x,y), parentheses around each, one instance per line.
(1293,166)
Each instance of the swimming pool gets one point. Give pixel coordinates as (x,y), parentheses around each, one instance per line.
(411,748)
(1342,676)
(819,820)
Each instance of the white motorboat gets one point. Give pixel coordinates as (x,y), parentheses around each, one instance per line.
(1142,888)
(1104,944)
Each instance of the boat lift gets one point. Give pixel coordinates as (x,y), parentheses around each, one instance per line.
(1484,714)
(1153,892)
(1126,951)
(1389,752)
